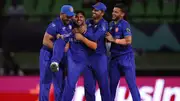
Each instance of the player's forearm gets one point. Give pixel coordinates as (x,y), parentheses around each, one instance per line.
(47,40)
(49,43)
(90,44)
(122,41)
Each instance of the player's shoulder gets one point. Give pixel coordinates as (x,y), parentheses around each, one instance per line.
(111,23)
(103,21)
(103,24)
(89,20)
(57,21)
(124,22)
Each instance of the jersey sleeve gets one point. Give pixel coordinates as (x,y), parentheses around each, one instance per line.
(52,28)
(126,29)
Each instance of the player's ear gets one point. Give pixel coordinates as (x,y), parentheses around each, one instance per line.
(123,14)
(102,13)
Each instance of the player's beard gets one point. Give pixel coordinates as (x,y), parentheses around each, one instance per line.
(94,16)
(117,18)
(66,22)
(64,19)
(97,17)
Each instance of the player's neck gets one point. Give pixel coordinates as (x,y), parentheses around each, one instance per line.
(118,20)
(60,17)
(82,25)
(62,20)
(97,20)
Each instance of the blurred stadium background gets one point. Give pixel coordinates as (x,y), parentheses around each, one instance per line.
(156,37)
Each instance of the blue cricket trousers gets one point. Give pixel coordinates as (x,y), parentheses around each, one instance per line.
(126,63)
(47,76)
(74,70)
(97,70)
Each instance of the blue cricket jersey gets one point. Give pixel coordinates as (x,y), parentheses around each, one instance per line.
(57,27)
(78,49)
(97,32)
(119,31)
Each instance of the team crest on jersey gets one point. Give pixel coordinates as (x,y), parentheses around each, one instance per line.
(70,27)
(128,30)
(71,9)
(117,29)
(64,28)
(103,28)
(53,25)
(110,28)
(95,26)
(89,25)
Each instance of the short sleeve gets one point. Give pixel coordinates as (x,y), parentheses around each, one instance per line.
(52,28)
(126,29)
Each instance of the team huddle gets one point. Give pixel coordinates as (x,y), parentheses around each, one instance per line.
(81,45)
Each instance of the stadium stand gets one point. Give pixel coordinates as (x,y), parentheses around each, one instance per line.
(57,5)
(29,6)
(178,13)
(137,9)
(152,10)
(168,10)
(43,6)
(7,5)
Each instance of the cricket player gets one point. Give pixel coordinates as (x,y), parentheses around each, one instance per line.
(122,57)
(97,69)
(77,55)
(50,43)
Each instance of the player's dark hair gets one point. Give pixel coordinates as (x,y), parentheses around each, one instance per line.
(81,12)
(123,8)
(78,12)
